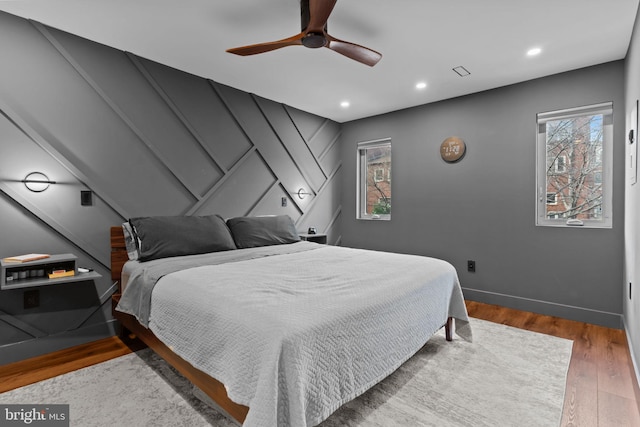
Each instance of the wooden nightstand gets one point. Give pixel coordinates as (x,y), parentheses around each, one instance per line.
(316,238)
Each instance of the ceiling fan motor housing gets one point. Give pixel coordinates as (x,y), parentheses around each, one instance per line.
(314,40)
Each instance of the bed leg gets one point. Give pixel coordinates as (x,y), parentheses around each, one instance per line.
(448,329)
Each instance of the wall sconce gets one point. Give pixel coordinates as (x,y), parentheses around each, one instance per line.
(37,182)
(302,193)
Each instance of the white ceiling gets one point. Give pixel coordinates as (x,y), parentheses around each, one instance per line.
(420,40)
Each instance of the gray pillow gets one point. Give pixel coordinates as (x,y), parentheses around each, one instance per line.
(252,231)
(167,236)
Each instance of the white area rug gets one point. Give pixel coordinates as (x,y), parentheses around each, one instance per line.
(506,377)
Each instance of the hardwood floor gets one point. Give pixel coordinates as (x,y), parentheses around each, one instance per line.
(601,387)
(40,368)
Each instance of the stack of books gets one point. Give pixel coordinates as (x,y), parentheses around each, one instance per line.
(26,258)
(61,273)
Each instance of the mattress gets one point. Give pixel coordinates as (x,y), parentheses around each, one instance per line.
(295,331)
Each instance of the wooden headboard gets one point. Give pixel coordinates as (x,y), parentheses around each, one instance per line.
(118,253)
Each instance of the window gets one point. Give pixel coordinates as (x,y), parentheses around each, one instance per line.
(374,180)
(574,167)
(561,164)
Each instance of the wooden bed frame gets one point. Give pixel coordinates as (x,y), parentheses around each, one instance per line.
(209,385)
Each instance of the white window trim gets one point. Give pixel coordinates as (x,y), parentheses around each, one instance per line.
(361,203)
(606,109)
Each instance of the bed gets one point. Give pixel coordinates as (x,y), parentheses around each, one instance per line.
(277,331)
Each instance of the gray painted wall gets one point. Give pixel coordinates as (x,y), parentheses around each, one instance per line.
(631,300)
(483,208)
(147,140)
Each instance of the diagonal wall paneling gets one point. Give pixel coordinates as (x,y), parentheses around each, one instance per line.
(204,111)
(293,142)
(146,139)
(245,186)
(143,108)
(246,111)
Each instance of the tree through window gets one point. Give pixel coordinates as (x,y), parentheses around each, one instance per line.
(374,179)
(574,152)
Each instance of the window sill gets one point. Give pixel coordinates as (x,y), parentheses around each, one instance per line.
(584,225)
(375,218)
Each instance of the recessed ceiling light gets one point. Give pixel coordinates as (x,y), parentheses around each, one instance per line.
(421,85)
(345,104)
(534,51)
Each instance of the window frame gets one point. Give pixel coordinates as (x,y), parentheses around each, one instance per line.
(361,178)
(606,109)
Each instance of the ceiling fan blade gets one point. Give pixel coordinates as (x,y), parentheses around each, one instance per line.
(319,11)
(354,51)
(268,46)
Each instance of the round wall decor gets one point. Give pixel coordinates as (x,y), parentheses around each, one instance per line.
(452,149)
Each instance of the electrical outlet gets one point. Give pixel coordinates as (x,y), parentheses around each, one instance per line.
(32,298)
(283,202)
(471,266)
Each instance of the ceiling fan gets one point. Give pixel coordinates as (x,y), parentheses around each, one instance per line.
(314,15)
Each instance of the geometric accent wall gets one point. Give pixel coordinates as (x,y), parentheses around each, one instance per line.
(146,139)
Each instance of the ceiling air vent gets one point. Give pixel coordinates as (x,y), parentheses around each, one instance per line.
(461,71)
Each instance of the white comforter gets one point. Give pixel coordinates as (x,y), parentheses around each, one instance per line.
(295,335)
